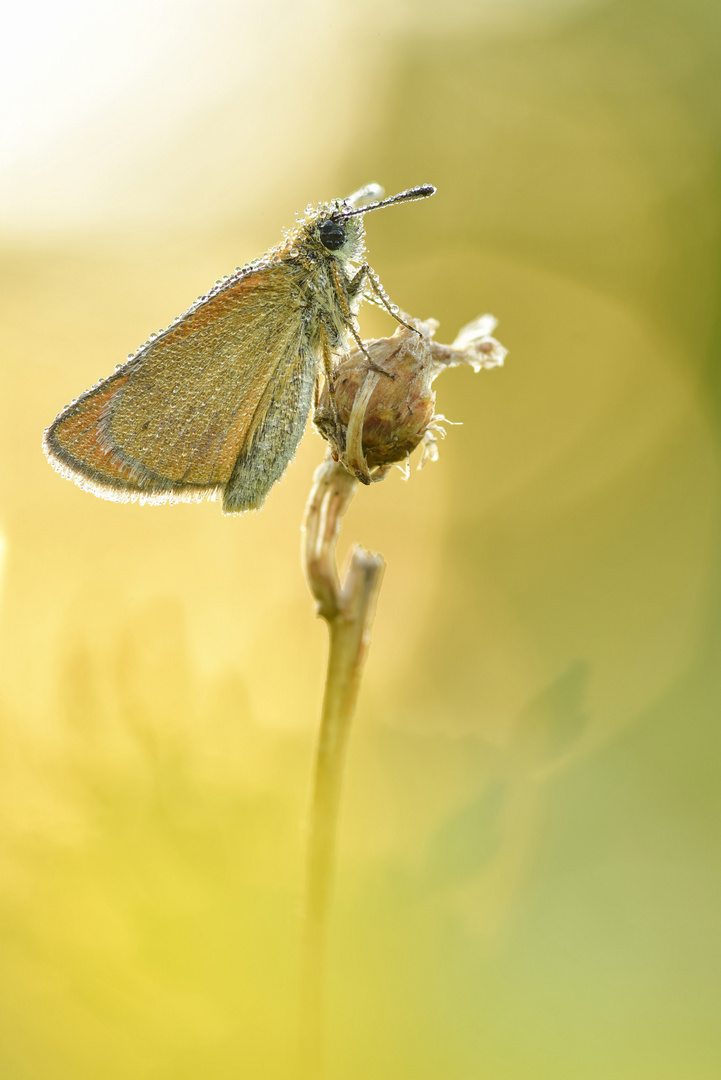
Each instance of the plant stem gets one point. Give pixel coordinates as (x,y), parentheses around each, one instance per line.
(348,609)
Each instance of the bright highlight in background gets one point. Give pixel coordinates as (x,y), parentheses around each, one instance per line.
(126,112)
(106,100)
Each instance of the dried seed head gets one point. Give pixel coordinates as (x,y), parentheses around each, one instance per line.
(399,402)
(384,404)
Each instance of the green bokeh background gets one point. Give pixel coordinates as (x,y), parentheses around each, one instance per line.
(528,879)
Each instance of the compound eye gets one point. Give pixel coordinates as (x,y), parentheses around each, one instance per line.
(332,234)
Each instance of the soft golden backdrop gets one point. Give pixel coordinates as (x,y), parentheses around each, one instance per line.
(528,880)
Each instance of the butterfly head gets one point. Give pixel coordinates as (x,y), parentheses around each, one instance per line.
(337,227)
(333,231)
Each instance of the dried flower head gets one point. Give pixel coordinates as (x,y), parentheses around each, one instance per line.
(384,404)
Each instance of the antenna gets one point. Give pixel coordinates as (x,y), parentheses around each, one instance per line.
(420,192)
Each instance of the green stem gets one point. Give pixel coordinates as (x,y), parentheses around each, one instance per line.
(349,611)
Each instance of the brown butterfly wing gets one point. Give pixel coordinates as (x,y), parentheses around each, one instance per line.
(173,421)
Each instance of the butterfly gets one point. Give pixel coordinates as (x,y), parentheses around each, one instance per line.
(216,404)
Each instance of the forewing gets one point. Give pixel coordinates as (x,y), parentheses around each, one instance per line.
(174,419)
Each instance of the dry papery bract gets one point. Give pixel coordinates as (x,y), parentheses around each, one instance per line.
(385,404)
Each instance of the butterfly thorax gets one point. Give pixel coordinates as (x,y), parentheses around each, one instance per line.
(323,278)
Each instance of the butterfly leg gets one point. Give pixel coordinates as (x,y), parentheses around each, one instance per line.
(329,379)
(372,366)
(354,289)
(356,285)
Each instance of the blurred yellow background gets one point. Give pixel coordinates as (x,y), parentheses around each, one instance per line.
(528,879)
